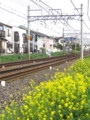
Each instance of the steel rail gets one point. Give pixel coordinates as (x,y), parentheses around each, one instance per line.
(20,67)
(34,68)
(8,64)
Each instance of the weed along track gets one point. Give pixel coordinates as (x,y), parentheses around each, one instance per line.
(9,64)
(12,72)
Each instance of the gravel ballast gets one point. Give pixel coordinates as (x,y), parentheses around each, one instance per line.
(16,87)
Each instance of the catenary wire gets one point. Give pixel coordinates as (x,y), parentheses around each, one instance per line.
(79,14)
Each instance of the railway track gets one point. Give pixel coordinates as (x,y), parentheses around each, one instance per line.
(15,63)
(21,70)
(9,64)
(13,70)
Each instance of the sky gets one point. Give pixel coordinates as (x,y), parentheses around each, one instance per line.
(19,8)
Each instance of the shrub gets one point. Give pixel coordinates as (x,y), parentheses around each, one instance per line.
(58,53)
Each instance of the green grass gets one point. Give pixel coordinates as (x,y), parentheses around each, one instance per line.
(87,57)
(16,57)
(75,51)
(58,53)
(8,58)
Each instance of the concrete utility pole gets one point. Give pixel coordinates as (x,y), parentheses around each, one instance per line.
(82,31)
(63,41)
(28,31)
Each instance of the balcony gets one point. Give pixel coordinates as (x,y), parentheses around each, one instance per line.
(2,33)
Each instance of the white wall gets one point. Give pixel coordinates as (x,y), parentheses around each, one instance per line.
(9,38)
(21,31)
(47,41)
(40,42)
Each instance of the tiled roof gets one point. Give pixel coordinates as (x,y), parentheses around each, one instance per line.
(2,24)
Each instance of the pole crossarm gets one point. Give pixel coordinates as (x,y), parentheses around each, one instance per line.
(76,33)
(54,17)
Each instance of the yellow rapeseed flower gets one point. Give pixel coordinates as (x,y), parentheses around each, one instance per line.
(59,106)
(25,107)
(61,115)
(66,104)
(52,112)
(68,117)
(44,119)
(71,114)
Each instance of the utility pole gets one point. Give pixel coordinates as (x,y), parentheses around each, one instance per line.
(63,41)
(28,31)
(82,31)
(75,41)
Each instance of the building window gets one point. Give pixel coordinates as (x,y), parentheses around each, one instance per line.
(8,33)
(35,48)
(24,38)
(31,47)
(9,45)
(16,48)
(16,45)
(54,45)
(31,38)
(50,45)
(2,28)
(16,36)
(43,45)
(2,33)
(35,38)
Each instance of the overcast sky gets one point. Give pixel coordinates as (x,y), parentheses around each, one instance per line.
(19,7)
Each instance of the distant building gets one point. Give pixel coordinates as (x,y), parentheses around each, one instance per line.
(5,36)
(19,40)
(39,40)
(14,40)
(66,42)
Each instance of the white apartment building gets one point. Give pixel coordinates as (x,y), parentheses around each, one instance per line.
(14,40)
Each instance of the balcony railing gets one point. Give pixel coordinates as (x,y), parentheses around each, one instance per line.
(2,33)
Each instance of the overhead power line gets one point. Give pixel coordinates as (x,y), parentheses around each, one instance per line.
(79,14)
(13,11)
(47,8)
(65,21)
(43,6)
(59,14)
(10,11)
(54,17)
(75,7)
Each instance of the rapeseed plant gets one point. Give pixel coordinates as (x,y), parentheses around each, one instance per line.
(66,97)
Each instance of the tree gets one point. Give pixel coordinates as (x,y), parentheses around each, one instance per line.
(75,46)
(43,50)
(59,46)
